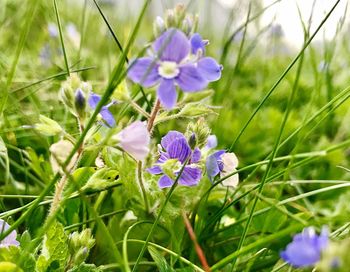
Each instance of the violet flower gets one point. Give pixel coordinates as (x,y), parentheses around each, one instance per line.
(212,142)
(306,248)
(9,240)
(177,151)
(107,116)
(172,65)
(135,140)
(223,163)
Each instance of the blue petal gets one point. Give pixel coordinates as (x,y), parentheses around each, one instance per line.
(179,149)
(212,142)
(209,69)
(212,167)
(144,71)
(167,93)
(197,43)
(94,99)
(172,45)
(301,254)
(170,137)
(107,116)
(196,155)
(190,79)
(190,176)
(165,182)
(154,170)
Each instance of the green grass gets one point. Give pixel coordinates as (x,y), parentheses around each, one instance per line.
(283,116)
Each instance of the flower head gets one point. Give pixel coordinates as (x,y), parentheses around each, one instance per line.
(135,140)
(176,152)
(306,248)
(223,163)
(9,240)
(172,64)
(107,116)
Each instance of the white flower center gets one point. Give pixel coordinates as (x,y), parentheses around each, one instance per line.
(168,69)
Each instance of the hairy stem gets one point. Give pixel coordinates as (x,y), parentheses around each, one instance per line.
(143,189)
(153,116)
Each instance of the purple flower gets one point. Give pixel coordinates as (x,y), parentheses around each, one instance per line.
(135,140)
(9,240)
(212,142)
(306,248)
(172,65)
(171,161)
(105,113)
(223,163)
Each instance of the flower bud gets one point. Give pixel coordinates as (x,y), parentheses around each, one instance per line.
(67,95)
(187,25)
(179,13)
(158,26)
(192,141)
(170,18)
(201,130)
(80,103)
(47,126)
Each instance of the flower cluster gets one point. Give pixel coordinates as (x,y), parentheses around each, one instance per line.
(175,152)
(176,60)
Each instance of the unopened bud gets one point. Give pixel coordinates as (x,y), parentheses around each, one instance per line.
(80,103)
(158,26)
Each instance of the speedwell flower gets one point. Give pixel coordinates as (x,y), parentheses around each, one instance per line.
(223,163)
(135,140)
(107,116)
(306,248)
(9,240)
(170,162)
(172,64)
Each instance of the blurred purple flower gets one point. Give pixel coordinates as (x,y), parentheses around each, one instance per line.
(306,248)
(107,116)
(223,163)
(53,30)
(9,240)
(172,65)
(177,150)
(135,140)
(212,142)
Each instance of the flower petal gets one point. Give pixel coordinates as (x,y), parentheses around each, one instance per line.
(179,149)
(144,71)
(190,176)
(190,79)
(154,170)
(9,240)
(231,181)
(197,43)
(94,99)
(167,93)
(135,140)
(212,167)
(209,69)
(196,155)
(170,137)
(107,116)
(165,182)
(172,45)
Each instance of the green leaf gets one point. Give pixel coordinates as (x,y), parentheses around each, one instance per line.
(13,255)
(159,259)
(55,249)
(9,267)
(83,267)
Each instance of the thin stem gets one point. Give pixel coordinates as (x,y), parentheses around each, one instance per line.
(139,109)
(153,116)
(143,189)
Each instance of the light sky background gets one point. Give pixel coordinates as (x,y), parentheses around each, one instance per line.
(286,14)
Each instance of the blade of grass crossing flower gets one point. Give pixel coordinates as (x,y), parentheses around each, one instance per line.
(167,198)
